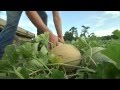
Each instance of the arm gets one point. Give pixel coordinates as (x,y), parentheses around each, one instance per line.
(37,21)
(58,24)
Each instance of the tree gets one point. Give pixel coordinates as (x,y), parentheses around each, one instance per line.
(68,36)
(74,32)
(84,31)
(92,36)
(116,33)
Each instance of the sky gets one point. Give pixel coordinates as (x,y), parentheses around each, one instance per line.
(101,23)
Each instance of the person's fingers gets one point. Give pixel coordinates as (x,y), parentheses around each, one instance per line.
(60,40)
(57,43)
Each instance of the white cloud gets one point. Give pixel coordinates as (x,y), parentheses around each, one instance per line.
(105,32)
(96,21)
(3,15)
(114,14)
(100,21)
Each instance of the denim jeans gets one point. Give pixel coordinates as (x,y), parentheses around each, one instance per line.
(8,32)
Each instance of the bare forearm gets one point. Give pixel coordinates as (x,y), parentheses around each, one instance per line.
(58,24)
(37,21)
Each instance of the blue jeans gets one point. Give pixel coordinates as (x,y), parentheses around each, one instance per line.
(8,32)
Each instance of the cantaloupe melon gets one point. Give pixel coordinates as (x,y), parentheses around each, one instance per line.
(70,54)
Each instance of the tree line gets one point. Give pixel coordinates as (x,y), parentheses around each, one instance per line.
(72,34)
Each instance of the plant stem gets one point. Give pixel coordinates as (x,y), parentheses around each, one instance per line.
(44,65)
(93,61)
(35,72)
(17,73)
(64,65)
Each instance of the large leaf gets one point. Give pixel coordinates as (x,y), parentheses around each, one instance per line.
(91,57)
(113,52)
(56,74)
(81,44)
(92,51)
(106,70)
(28,50)
(99,57)
(35,49)
(11,54)
(42,76)
(33,64)
(24,73)
(43,39)
(17,73)
(5,66)
(44,50)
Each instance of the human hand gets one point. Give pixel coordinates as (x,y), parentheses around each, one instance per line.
(61,40)
(53,39)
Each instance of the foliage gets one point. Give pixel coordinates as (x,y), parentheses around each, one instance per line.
(68,36)
(33,60)
(116,33)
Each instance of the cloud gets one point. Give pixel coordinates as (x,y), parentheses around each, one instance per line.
(96,21)
(104,32)
(100,21)
(3,15)
(114,14)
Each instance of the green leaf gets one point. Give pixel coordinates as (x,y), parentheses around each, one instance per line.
(5,66)
(11,54)
(44,50)
(3,76)
(17,72)
(33,64)
(43,38)
(42,76)
(92,51)
(81,43)
(35,49)
(106,70)
(26,50)
(24,73)
(99,57)
(87,56)
(113,52)
(56,74)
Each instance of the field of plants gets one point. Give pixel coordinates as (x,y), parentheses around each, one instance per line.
(33,60)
